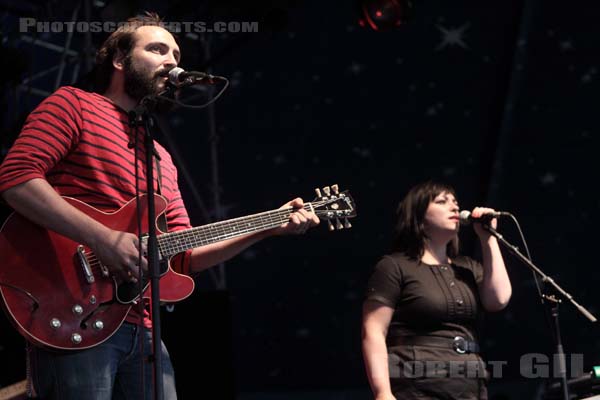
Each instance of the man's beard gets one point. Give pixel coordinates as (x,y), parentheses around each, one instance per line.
(140,83)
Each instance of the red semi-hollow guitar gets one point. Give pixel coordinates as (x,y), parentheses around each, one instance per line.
(58,294)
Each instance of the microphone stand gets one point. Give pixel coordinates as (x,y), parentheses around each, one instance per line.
(141,115)
(550,301)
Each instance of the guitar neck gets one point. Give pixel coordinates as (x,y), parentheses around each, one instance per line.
(173,243)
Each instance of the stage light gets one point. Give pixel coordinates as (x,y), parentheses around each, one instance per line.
(384,15)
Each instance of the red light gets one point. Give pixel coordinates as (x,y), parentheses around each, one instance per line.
(383,15)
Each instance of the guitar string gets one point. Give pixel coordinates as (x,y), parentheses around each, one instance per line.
(222,230)
(227,224)
(199,236)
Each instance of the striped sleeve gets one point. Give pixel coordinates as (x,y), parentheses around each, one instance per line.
(177,219)
(180,263)
(50,132)
(176,213)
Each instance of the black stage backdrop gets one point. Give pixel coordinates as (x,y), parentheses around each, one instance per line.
(497,98)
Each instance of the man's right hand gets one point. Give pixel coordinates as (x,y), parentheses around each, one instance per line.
(39,202)
(119,252)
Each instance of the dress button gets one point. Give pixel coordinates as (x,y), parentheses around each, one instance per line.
(451,283)
(459,302)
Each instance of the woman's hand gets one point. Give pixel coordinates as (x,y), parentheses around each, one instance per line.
(479,230)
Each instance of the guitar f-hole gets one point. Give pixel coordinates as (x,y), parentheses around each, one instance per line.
(102,306)
(36,303)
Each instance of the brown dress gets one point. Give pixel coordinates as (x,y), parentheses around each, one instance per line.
(433,304)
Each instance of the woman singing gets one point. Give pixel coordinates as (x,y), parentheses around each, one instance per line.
(424,302)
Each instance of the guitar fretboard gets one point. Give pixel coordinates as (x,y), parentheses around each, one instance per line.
(173,243)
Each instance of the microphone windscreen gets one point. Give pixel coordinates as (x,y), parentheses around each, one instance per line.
(465,217)
(174,75)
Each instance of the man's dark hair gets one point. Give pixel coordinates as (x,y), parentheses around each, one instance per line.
(120,41)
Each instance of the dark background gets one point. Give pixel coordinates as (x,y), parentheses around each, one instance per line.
(498,99)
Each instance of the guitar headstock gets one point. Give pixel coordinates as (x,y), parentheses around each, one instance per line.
(334,207)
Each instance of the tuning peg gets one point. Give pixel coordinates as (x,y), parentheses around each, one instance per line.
(330,225)
(338,224)
(318,192)
(347,224)
(336,189)
(327,191)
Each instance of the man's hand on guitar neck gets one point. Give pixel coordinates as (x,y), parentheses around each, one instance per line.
(207,256)
(300,220)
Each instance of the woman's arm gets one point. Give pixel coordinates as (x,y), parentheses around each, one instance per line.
(376,320)
(495,289)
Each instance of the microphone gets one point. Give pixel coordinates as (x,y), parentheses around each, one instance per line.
(179,77)
(466,218)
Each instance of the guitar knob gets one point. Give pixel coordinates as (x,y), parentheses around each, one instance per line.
(77,309)
(55,323)
(92,299)
(98,325)
(318,192)
(347,224)
(336,189)
(76,338)
(327,191)
(338,224)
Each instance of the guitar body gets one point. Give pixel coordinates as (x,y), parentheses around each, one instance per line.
(58,294)
(46,291)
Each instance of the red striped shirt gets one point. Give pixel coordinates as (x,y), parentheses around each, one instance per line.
(78,141)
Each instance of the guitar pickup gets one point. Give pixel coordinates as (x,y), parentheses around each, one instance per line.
(87,269)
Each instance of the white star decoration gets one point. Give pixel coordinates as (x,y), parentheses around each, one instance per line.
(565,45)
(589,75)
(362,152)
(279,159)
(356,68)
(452,36)
(548,179)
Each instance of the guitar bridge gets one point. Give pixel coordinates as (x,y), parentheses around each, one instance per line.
(87,269)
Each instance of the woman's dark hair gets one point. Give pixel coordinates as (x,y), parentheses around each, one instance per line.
(410,230)
(121,40)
